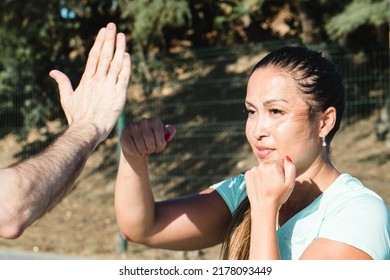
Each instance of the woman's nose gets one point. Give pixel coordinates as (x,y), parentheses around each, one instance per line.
(261,127)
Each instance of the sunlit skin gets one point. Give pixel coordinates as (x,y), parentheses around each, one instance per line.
(279,125)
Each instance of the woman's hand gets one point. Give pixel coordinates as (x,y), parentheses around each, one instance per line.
(270,183)
(268,187)
(146,136)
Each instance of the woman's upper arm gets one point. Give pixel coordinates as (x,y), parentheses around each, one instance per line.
(326,249)
(190,223)
(359,229)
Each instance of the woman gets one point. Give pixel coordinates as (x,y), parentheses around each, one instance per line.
(293,205)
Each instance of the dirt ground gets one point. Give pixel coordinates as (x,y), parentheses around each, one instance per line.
(84,224)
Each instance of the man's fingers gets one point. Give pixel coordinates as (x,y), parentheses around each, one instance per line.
(107,51)
(124,75)
(93,56)
(116,64)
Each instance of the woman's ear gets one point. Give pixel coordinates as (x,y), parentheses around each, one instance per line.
(327,121)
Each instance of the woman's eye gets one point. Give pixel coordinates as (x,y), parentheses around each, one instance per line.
(248,112)
(276,112)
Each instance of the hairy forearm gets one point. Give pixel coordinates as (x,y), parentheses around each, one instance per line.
(37,184)
(134,200)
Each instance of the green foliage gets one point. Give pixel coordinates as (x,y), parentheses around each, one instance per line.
(40,35)
(233,17)
(238,10)
(36,37)
(17,77)
(155,23)
(150,18)
(356,14)
(27,48)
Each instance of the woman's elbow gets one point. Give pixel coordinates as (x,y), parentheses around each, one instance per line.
(133,236)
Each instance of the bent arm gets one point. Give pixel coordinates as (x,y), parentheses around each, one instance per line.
(134,200)
(30,188)
(189,223)
(34,186)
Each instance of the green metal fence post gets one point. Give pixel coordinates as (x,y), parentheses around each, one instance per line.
(119,128)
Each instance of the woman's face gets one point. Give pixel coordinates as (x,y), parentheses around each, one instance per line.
(278,122)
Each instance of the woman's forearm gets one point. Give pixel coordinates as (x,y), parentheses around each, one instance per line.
(264,244)
(134,200)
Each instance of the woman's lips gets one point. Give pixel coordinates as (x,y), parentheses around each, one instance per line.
(263,152)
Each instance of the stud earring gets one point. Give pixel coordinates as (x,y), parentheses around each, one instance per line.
(323,141)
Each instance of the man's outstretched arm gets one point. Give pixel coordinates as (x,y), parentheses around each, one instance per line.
(32,187)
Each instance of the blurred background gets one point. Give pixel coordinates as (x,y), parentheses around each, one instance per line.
(190,64)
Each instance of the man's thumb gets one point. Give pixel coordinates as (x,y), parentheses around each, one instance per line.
(63,82)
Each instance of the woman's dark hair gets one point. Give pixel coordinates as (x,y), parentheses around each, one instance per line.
(322,88)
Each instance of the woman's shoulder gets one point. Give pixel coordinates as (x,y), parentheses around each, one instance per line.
(232,190)
(349,185)
(231,182)
(348,190)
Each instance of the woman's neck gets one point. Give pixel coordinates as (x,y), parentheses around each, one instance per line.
(308,187)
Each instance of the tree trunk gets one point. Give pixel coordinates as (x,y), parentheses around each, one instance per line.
(311,28)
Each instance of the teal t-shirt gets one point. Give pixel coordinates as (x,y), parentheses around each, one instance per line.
(346,212)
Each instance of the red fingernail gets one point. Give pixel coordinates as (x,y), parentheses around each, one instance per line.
(288,159)
(167,137)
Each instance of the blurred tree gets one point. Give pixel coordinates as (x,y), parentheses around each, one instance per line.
(164,23)
(159,27)
(27,37)
(150,21)
(35,37)
(360,22)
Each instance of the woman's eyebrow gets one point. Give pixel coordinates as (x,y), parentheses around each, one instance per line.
(267,102)
(274,100)
(248,103)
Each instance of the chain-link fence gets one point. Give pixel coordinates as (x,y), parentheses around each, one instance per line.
(205,101)
(201,92)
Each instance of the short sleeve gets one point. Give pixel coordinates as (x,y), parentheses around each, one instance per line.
(362,222)
(232,191)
